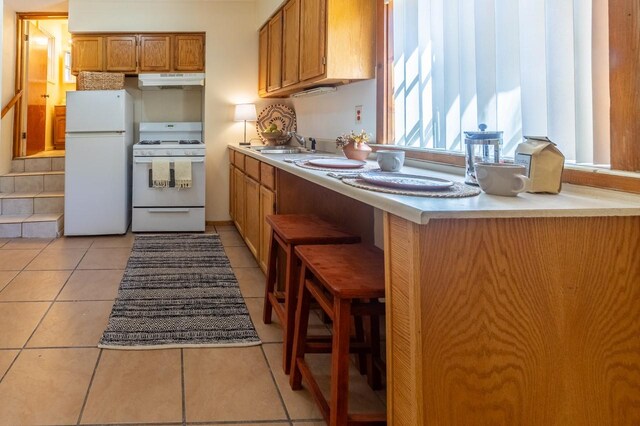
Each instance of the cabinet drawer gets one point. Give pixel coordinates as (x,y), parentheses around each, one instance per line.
(268,176)
(252,168)
(238,160)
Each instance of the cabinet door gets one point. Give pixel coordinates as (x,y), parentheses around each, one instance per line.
(263,60)
(155,53)
(59,127)
(267,207)
(189,52)
(313,25)
(275,53)
(252,215)
(86,53)
(290,43)
(239,199)
(121,53)
(232,193)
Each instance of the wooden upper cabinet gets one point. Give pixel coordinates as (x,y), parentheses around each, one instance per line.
(275,53)
(324,42)
(290,43)
(313,26)
(86,53)
(188,52)
(121,53)
(263,60)
(155,53)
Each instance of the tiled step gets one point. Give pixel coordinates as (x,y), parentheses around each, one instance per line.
(22,203)
(32,182)
(40,164)
(31,226)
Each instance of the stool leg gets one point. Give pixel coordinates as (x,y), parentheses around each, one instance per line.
(373,335)
(360,338)
(339,404)
(271,280)
(300,331)
(290,301)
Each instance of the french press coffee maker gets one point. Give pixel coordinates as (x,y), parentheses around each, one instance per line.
(483,147)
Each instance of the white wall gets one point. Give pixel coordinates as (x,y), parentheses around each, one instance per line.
(265,9)
(7,87)
(231,65)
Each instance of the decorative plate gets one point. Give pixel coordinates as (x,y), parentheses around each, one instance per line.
(400,180)
(337,163)
(280,115)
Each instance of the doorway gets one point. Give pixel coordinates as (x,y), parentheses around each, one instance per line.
(43,75)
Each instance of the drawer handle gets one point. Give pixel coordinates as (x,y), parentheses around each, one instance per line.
(168,210)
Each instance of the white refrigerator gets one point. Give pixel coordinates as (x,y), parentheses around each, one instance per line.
(99,139)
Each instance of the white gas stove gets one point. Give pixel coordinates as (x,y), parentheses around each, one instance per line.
(169,208)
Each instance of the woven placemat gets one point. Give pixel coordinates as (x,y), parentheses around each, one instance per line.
(458,190)
(305,164)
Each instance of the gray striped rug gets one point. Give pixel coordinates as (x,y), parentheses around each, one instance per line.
(178,290)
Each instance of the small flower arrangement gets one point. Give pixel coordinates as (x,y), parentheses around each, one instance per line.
(357,139)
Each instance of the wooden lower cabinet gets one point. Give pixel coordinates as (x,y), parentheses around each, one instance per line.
(232,192)
(252,215)
(59,126)
(239,200)
(267,207)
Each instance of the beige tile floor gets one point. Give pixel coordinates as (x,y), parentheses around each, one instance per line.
(55,300)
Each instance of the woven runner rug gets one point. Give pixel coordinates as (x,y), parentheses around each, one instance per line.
(177,291)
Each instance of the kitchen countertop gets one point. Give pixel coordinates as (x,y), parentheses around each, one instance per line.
(573,200)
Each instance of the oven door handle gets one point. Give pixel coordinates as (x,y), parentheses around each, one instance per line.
(149,161)
(169,210)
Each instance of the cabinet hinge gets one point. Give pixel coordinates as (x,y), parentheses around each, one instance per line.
(324,60)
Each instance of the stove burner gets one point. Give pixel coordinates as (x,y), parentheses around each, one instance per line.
(189,142)
(148,142)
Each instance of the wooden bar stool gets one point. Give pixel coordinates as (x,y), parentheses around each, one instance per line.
(345,280)
(289,231)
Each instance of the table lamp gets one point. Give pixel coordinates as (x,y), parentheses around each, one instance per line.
(245,112)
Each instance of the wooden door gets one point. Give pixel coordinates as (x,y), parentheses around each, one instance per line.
(86,53)
(252,215)
(37,55)
(267,207)
(313,25)
(239,199)
(232,192)
(189,52)
(155,53)
(263,60)
(275,53)
(121,53)
(291,43)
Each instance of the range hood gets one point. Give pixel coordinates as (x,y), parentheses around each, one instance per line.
(170,81)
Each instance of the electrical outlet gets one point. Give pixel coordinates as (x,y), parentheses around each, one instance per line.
(358,114)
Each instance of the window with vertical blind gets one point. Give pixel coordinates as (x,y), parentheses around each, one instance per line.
(526,67)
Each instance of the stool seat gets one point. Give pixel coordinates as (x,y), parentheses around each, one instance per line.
(308,229)
(347,271)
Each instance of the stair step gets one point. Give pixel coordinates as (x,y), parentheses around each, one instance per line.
(32,203)
(32,182)
(31,226)
(38,164)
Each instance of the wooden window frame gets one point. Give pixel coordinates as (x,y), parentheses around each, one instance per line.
(624,19)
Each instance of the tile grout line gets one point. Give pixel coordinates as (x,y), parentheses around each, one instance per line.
(275,384)
(86,396)
(184,397)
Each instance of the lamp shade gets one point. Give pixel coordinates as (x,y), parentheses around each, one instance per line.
(245,112)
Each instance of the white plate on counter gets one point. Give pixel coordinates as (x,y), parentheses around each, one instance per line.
(401,180)
(337,163)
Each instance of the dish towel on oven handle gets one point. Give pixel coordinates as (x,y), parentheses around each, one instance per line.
(182,170)
(160,173)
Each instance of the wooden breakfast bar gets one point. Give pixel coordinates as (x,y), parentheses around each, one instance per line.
(500,310)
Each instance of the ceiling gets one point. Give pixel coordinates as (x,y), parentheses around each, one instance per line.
(38,5)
